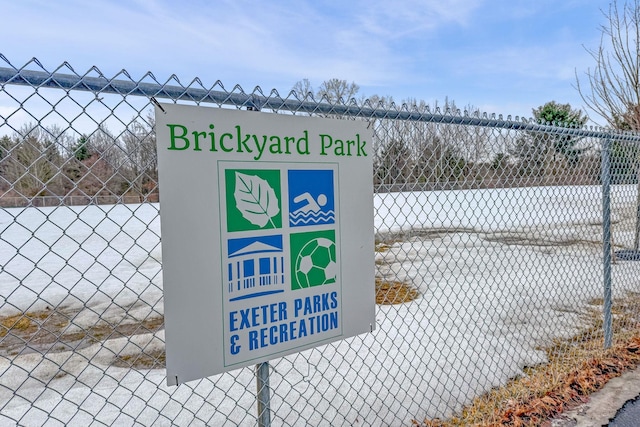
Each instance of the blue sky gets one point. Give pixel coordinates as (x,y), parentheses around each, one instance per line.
(502,56)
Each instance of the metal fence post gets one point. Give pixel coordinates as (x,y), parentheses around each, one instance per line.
(636,239)
(606,238)
(264,397)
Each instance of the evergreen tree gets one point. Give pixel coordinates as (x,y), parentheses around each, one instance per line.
(80,150)
(561,115)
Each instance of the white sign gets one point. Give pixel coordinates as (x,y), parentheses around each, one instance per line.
(267,235)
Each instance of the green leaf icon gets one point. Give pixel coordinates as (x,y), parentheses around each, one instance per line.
(256,200)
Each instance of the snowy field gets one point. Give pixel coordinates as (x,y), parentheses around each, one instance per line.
(500,272)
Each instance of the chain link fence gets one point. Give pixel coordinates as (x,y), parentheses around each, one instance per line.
(496,240)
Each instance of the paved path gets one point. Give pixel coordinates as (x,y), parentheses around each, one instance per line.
(629,415)
(604,404)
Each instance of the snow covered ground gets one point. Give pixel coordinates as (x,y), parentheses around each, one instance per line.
(500,273)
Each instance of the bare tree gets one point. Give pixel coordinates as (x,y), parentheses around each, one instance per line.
(612,87)
(332,90)
(31,165)
(91,168)
(394,164)
(337,90)
(303,89)
(103,143)
(140,145)
(530,149)
(475,140)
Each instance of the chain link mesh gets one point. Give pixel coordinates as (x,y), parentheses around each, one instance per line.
(489,253)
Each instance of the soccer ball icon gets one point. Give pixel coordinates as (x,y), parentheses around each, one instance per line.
(316,263)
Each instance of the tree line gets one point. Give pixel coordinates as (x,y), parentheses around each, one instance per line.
(447,156)
(102,167)
(47,162)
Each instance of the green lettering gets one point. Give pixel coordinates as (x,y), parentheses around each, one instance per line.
(302,145)
(260,147)
(222,138)
(196,139)
(325,145)
(243,142)
(174,136)
(288,140)
(349,145)
(275,147)
(361,145)
(339,150)
(213,138)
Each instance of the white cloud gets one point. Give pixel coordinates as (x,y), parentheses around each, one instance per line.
(387,19)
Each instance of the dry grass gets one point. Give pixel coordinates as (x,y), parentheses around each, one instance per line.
(20,322)
(382,247)
(394,292)
(155,359)
(390,292)
(28,324)
(577,367)
(50,330)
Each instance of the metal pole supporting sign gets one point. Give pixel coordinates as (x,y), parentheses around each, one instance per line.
(264,395)
(262,373)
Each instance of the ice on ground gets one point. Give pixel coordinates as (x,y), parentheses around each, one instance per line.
(103,258)
(500,272)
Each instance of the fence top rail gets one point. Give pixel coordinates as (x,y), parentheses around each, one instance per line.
(257,100)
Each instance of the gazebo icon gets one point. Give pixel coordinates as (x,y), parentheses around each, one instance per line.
(255,267)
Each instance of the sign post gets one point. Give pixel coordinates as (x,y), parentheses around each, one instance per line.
(267,237)
(264,394)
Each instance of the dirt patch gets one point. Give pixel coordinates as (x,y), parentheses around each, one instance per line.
(53,331)
(28,323)
(394,292)
(522,239)
(21,331)
(382,247)
(386,239)
(516,237)
(155,359)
